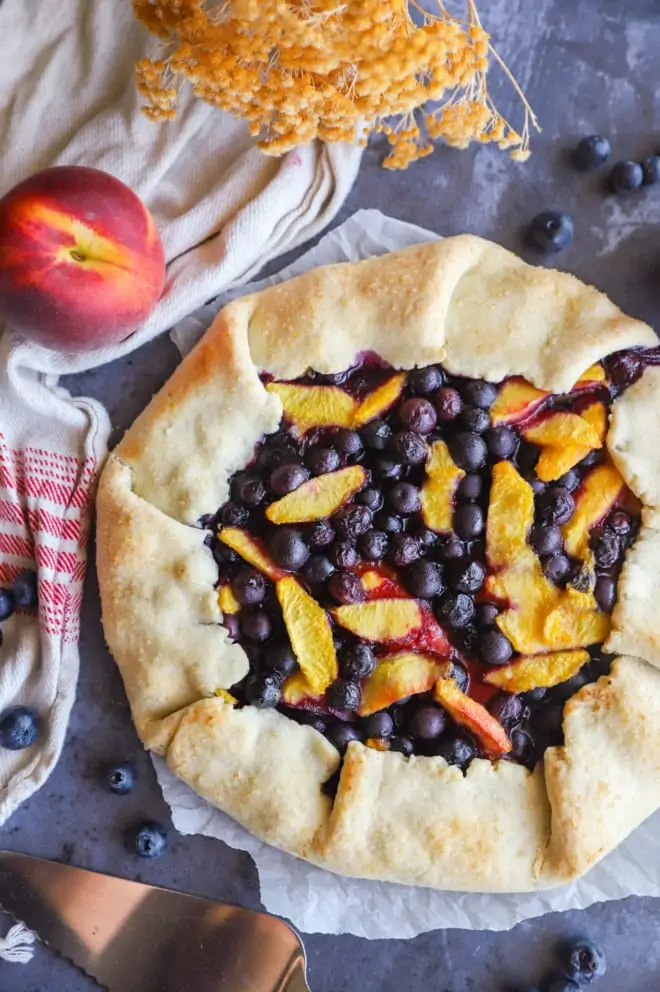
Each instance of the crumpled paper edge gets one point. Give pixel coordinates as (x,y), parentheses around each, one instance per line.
(315,900)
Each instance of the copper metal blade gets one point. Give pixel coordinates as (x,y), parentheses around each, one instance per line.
(133,937)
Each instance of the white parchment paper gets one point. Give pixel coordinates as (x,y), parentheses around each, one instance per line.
(315,900)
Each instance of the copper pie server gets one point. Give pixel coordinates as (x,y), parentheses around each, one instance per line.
(133,937)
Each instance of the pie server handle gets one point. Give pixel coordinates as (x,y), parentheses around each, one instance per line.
(133,937)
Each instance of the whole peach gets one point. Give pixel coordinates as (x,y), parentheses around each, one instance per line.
(81,261)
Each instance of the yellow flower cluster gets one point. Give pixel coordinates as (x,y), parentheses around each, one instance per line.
(296,70)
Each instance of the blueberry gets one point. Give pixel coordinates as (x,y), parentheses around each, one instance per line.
(288,548)
(25,590)
(418,415)
(469,488)
(409,448)
(606,548)
(376,435)
(234,515)
(451,548)
(605,593)
(320,534)
(501,442)
(545,540)
(585,962)
(120,778)
(523,748)
(285,478)
(255,624)
(7,603)
(352,520)
(231,625)
(625,176)
(486,614)
(592,152)
(551,230)
(373,545)
(427,723)
(346,588)
(403,550)
(468,521)
(548,720)
(388,468)
(555,506)
(344,556)
(379,725)
(534,696)
(318,569)
(562,984)
(456,611)
(651,170)
(373,498)
(280,659)
(460,676)
(538,487)
(356,661)
(341,735)
(423,579)
(468,451)
(478,392)
(494,647)
(249,587)
(150,840)
(404,498)
(527,456)
(620,523)
(345,695)
(403,745)
(250,490)
(507,708)
(570,480)
(425,381)
(320,461)
(448,404)
(557,569)
(19,728)
(388,522)
(591,459)
(262,691)
(465,575)
(473,418)
(347,442)
(457,751)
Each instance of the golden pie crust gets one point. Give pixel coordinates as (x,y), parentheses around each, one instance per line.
(482,312)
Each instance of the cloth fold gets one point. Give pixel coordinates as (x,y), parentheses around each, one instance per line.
(223,210)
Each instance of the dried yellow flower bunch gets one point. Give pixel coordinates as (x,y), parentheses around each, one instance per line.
(296,70)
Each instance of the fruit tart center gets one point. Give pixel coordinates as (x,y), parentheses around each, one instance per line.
(427,563)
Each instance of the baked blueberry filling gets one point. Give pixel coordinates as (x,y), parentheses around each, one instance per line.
(445,550)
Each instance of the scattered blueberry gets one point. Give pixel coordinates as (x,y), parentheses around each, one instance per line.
(373,545)
(557,569)
(262,691)
(555,506)
(457,751)
(318,569)
(494,647)
(341,735)
(486,614)
(457,611)
(465,575)
(249,587)
(468,521)
(551,230)
(352,521)
(523,748)
(625,176)
(605,593)
(388,468)
(343,556)
(347,442)
(288,548)
(423,579)
(501,442)
(570,480)
(404,549)
(586,962)
(346,588)
(418,415)
(506,707)
(357,661)
(234,514)
(606,548)
(468,451)
(280,659)
(651,170)
(425,381)
(478,392)
(373,498)
(451,548)
(404,498)
(320,534)
(469,488)
(345,695)
(546,540)
(250,490)
(448,404)
(389,522)
(255,624)
(6,603)
(592,152)
(24,589)
(376,435)
(402,744)
(150,840)
(473,418)
(427,723)
(320,461)
(120,778)
(409,448)
(19,728)
(379,725)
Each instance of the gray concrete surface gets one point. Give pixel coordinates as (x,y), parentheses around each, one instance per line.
(587,66)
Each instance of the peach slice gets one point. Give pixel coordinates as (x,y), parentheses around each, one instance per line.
(555,460)
(314,406)
(468,713)
(538,671)
(510,515)
(376,743)
(595,498)
(227,601)
(317,498)
(595,373)
(372,580)
(398,676)
(252,550)
(226,697)
(437,496)
(380,620)
(516,400)
(297,690)
(309,632)
(569,627)
(380,400)
(560,428)
(596,416)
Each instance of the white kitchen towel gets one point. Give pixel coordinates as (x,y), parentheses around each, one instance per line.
(67,96)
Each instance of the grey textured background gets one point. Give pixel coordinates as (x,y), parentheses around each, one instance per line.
(586,67)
